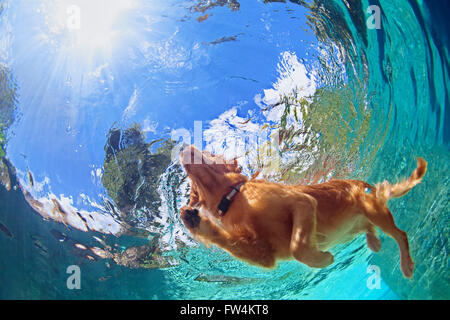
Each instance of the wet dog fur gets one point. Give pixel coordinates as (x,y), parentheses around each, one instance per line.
(270,221)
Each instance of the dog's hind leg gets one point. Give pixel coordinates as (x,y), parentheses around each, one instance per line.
(373,242)
(303,244)
(381,216)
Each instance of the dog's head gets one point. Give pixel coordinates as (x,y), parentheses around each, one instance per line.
(211,175)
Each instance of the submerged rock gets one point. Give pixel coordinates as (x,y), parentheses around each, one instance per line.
(103,279)
(143,257)
(101,253)
(61,237)
(5,230)
(8,110)
(4,176)
(80,246)
(202,277)
(42,249)
(30,178)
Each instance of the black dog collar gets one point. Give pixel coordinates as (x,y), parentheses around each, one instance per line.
(228,198)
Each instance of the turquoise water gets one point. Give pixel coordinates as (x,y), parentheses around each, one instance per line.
(92,92)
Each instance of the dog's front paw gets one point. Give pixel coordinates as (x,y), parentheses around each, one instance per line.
(407,267)
(190,218)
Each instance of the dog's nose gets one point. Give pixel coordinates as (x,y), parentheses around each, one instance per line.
(190,218)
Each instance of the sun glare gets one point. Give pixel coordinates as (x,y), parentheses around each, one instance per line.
(87,24)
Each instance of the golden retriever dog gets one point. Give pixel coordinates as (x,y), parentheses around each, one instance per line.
(261,222)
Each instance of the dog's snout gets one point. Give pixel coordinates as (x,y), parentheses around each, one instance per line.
(190,155)
(191,218)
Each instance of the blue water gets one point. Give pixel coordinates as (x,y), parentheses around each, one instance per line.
(243,71)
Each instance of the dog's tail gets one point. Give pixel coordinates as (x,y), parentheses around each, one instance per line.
(385,191)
